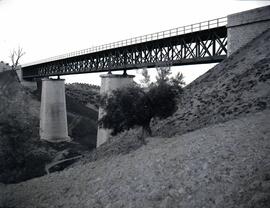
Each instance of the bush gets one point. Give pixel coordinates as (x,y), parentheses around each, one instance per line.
(133,106)
(163,100)
(122,108)
(21,156)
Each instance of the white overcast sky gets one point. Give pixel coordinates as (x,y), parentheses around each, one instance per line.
(46,28)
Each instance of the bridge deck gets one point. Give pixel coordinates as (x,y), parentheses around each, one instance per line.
(203,42)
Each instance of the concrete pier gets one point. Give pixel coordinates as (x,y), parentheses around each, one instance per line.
(110,82)
(53,114)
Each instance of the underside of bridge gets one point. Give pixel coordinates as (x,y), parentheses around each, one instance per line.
(203,46)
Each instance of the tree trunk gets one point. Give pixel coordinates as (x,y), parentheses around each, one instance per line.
(146,132)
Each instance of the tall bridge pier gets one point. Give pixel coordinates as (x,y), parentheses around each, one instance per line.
(109,83)
(53,113)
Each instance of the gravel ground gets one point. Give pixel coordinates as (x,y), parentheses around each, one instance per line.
(223,165)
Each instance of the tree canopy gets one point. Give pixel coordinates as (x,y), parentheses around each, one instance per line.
(136,106)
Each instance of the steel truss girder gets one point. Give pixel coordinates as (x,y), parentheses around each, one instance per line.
(206,46)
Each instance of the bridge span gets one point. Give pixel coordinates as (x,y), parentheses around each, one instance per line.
(204,42)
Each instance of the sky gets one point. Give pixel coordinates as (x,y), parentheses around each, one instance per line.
(46,28)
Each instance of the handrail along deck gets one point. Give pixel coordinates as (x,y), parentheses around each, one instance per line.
(140,39)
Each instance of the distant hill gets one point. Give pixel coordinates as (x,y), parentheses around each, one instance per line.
(86,94)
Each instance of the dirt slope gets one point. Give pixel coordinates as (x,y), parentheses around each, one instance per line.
(224,165)
(237,86)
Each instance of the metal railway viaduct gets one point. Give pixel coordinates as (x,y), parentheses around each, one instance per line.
(205,42)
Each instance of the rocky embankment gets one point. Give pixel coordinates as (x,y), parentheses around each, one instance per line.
(237,86)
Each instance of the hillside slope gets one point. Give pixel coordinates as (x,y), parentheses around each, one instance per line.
(237,86)
(22,154)
(16,103)
(19,125)
(224,165)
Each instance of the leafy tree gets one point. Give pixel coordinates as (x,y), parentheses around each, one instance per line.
(133,106)
(146,77)
(163,74)
(124,109)
(136,106)
(177,82)
(163,100)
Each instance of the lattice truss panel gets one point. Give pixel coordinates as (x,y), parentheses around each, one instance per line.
(200,47)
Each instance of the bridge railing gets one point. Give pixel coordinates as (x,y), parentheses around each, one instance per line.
(140,39)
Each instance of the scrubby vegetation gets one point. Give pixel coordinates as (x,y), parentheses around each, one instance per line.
(21,158)
(86,94)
